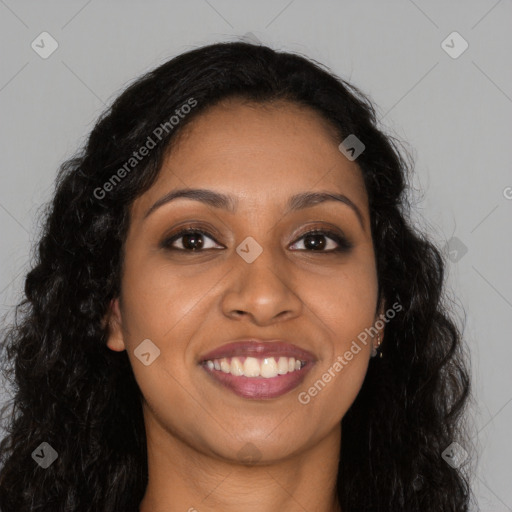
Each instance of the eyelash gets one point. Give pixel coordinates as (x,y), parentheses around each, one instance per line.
(343,244)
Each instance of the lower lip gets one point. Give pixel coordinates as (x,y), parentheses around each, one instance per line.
(260,388)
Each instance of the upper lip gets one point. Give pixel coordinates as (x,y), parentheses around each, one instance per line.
(254,347)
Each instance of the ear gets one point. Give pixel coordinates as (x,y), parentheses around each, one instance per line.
(380,314)
(381,309)
(113,322)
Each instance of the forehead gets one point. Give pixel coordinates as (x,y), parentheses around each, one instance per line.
(266,152)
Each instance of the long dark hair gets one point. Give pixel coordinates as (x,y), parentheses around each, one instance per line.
(81,398)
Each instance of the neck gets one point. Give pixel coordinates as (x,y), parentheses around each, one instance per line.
(182,478)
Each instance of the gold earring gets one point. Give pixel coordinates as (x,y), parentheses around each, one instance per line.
(375,349)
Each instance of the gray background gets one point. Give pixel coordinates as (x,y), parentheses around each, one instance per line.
(454,114)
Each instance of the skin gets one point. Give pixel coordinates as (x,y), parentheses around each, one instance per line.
(188,303)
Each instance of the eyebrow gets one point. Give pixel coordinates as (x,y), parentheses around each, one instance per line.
(229,203)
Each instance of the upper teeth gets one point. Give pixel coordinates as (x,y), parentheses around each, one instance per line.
(266,367)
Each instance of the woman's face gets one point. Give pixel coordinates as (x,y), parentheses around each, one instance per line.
(254,275)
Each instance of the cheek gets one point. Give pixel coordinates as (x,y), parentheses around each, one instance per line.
(346,302)
(168,305)
(158,296)
(156,307)
(345,306)
(334,389)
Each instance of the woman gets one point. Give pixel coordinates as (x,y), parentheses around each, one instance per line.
(219,269)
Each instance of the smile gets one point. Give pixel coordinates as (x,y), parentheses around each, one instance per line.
(258,369)
(267,367)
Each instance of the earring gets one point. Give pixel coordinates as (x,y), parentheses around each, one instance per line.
(376,349)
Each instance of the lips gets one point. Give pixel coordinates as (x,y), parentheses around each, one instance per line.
(258,369)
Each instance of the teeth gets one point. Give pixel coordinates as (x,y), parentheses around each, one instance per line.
(224,365)
(269,368)
(266,367)
(251,367)
(236,367)
(282,365)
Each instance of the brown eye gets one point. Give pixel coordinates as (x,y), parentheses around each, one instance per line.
(192,240)
(314,241)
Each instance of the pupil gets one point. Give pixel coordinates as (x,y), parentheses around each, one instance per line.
(317,245)
(189,241)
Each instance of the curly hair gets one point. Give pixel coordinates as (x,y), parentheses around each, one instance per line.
(74,393)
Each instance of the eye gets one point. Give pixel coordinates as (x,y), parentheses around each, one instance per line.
(313,240)
(192,240)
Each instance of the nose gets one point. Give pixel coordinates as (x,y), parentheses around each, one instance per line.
(262,290)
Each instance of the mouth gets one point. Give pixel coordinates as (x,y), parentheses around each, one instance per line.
(257,369)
